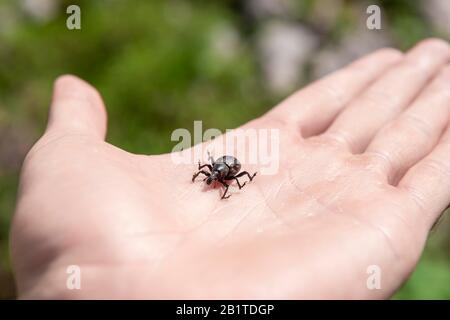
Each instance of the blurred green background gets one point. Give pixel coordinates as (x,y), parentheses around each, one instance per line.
(160,65)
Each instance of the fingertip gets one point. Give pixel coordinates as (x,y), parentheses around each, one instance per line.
(384,56)
(67,79)
(434,44)
(432,51)
(77,106)
(390,53)
(71,86)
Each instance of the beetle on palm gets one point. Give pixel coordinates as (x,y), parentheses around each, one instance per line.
(225,168)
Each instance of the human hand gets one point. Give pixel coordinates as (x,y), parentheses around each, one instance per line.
(364,173)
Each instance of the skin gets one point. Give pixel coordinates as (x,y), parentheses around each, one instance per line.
(364,174)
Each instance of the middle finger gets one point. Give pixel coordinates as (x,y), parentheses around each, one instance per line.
(389,95)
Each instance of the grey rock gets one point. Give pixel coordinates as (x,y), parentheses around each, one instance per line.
(42,10)
(269,8)
(284,50)
(353,46)
(438,12)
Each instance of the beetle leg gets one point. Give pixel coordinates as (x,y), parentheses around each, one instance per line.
(201,171)
(226,190)
(239,184)
(200,166)
(246,173)
(205,165)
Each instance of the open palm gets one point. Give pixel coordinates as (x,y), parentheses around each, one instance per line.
(363,175)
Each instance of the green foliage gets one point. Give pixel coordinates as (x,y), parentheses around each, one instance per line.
(430,281)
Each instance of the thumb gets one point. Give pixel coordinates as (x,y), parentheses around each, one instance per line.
(77,107)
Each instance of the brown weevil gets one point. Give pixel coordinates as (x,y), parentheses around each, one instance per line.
(225,168)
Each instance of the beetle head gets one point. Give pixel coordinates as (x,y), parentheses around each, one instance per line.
(212,178)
